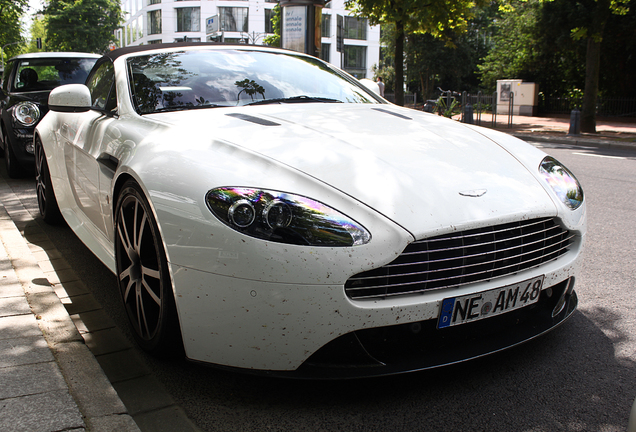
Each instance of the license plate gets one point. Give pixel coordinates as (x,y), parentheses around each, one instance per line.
(474,307)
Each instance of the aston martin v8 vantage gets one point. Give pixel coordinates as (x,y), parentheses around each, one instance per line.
(264,211)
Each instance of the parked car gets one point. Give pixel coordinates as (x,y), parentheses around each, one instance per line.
(262,210)
(27,81)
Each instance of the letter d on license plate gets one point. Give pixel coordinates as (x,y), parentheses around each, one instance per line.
(473,307)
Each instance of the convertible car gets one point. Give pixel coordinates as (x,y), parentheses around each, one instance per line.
(263,211)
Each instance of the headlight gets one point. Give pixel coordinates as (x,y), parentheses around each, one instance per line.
(26,113)
(284,218)
(562,181)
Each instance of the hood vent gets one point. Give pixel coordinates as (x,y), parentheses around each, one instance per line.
(253,119)
(392,113)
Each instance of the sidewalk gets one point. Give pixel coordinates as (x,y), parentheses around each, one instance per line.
(609,133)
(49,378)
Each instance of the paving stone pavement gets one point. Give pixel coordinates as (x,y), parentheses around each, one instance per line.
(63,363)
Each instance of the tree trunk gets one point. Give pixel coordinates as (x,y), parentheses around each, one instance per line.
(399,63)
(592,69)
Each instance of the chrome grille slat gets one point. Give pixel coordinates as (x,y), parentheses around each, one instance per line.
(462,247)
(471,256)
(454,268)
(462,258)
(437,280)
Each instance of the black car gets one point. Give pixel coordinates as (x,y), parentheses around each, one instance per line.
(26,83)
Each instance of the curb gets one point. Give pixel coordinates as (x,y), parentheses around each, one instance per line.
(577,141)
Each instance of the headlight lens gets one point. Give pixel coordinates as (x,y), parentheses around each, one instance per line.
(284,218)
(562,181)
(26,113)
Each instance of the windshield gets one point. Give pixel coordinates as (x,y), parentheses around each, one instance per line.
(212,78)
(47,73)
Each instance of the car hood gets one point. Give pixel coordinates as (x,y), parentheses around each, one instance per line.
(422,171)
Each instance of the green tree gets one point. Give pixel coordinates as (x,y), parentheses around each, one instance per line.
(37,30)
(514,43)
(593,31)
(437,18)
(274,40)
(81,25)
(10,13)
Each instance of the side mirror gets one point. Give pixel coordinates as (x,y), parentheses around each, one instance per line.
(70,98)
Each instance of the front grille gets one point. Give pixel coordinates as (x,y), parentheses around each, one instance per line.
(460,258)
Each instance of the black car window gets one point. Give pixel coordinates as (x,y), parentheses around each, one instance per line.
(37,74)
(101,84)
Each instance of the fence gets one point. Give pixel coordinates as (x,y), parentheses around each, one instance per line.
(409,98)
(605,106)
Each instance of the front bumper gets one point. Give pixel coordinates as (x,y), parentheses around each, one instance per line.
(420,345)
(315,331)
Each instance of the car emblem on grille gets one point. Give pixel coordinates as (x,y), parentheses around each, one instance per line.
(474,193)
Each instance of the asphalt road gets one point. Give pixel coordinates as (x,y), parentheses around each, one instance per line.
(581,377)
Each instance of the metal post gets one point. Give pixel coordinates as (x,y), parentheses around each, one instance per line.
(510,109)
(479,108)
(575,123)
(494,109)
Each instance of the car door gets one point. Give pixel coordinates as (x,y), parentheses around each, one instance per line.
(94,132)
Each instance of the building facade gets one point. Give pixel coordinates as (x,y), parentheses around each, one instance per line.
(245,21)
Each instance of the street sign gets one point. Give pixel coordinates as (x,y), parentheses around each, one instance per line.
(212,25)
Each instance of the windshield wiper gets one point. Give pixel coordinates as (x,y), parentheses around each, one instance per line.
(186,107)
(295,99)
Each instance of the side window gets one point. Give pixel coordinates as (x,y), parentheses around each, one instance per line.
(101,84)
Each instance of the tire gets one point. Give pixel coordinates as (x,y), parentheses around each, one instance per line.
(47,203)
(142,274)
(14,170)
(3,140)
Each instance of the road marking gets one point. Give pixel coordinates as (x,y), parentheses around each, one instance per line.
(599,156)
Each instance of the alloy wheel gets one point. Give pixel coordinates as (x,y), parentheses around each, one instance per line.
(139,268)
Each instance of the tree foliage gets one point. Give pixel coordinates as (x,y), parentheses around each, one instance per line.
(274,40)
(81,25)
(10,13)
(438,18)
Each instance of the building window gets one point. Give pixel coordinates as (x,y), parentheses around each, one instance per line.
(189,19)
(355,60)
(154,41)
(154,22)
(324,51)
(233,19)
(355,28)
(326,25)
(151,2)
(269,25)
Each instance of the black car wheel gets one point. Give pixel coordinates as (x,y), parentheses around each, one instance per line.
(13,166)
(49,209)
(142,273)
(3,141)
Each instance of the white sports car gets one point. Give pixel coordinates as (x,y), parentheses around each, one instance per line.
(263,210)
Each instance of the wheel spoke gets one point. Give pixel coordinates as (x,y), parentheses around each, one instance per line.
(151,293)
(122,231)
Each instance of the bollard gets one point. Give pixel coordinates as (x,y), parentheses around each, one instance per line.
(575,123)
(468,114)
